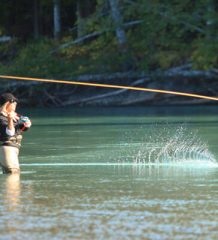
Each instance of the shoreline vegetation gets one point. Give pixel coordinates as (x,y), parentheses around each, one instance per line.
(161,45)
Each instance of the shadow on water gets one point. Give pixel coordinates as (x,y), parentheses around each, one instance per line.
(156,111)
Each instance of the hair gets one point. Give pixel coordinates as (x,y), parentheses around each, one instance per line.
(3,107)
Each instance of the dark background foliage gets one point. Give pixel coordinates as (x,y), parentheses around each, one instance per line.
(67,39)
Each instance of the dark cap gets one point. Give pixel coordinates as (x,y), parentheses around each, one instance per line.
(5,97)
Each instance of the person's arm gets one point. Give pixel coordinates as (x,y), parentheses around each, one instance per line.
(10,129)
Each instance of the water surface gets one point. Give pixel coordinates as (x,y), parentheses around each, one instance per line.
(134,173)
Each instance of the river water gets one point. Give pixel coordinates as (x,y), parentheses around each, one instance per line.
(115,173)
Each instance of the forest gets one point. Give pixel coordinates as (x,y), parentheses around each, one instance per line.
(164,44)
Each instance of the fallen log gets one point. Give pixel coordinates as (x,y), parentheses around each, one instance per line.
(181,78)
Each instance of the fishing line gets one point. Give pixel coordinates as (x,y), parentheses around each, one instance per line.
(109,86)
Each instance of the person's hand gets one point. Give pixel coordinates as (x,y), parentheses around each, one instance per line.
(28,124)
(13,116)
(25,121)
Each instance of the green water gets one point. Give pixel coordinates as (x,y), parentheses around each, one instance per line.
(115,173)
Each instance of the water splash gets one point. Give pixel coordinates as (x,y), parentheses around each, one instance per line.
(169,144)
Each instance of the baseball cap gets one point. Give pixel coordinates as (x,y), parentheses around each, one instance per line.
(5,97)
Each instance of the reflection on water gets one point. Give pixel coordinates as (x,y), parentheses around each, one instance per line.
(12,191)
(110,202)
(172,171)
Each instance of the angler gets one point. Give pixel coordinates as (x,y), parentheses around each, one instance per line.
(12,126)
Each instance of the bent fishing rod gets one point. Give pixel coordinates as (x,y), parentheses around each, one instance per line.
(17,78)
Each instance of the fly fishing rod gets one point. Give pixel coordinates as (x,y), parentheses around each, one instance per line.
(109,86)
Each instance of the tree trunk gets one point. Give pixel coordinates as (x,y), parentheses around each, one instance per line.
(118,21)
(128,62)
(57,19)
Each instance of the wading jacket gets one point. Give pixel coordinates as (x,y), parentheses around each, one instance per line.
(5,139)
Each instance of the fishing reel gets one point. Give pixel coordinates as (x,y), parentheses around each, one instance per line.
(24,123)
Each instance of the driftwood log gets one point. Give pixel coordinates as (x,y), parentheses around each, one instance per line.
(182,78)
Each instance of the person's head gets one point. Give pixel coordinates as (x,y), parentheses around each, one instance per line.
(8,102)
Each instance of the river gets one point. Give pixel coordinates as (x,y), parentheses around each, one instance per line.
(115,173)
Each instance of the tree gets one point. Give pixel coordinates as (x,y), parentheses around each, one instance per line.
(57,19)
(118,22)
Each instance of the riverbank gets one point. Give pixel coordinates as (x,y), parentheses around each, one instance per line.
(37,94)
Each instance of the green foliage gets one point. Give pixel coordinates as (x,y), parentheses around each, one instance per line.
(160,34)
(168,32)
(205,55)
(100,56)
(35,59)
(8,51)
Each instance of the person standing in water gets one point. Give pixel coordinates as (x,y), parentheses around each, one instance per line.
(12,125)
